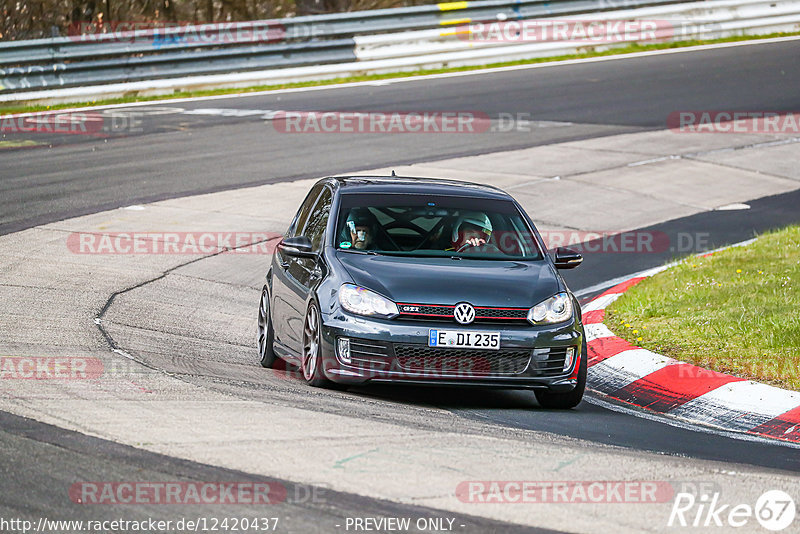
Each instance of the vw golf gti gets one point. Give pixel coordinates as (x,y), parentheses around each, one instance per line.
(422,281)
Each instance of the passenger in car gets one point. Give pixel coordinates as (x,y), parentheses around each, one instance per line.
(361,227)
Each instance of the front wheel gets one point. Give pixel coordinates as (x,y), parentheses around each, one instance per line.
(265,332)
(570,399)
(312,349)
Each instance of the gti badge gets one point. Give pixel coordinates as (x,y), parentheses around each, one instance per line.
(464,313)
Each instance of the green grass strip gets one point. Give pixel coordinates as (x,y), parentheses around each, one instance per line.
(736,312)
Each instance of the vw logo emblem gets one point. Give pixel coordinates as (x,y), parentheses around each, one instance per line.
(464,313)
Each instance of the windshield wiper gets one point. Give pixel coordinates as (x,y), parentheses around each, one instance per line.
(356,251)
(493,258)
(410,254)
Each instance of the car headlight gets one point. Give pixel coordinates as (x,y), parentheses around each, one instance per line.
(362,301)
(556,309)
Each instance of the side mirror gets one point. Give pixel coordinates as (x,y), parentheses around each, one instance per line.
(567,258)
(297,247)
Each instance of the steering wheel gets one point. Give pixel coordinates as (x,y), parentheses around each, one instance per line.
(490,247)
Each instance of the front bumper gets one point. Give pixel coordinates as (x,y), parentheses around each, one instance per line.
(528,346)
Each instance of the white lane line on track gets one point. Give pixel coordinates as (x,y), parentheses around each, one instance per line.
(598,400)
(443,75)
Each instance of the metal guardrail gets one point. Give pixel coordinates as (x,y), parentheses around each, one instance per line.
(133,67)
(669,22)
(235,47)
(327,46)
(304,28)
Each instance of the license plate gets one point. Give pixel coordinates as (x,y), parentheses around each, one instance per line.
(463,339)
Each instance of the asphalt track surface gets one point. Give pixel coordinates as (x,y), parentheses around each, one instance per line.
(55,457)
(180,154)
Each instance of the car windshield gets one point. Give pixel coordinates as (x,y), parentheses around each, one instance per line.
(434,226)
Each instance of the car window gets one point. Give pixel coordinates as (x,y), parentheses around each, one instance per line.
(299,222)
(318,219)
(444,226)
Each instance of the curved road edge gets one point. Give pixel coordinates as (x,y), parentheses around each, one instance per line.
(677,389)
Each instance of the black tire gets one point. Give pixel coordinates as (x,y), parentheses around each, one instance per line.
(569,399)
(265,334)
(312,359)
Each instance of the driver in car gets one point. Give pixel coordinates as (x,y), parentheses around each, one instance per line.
(472,229)
(360,227)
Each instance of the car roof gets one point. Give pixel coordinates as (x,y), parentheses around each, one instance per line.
(417,185)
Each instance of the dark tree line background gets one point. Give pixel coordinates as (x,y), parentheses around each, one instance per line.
(35,19)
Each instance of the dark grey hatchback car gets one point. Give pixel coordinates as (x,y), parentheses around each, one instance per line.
(422,281)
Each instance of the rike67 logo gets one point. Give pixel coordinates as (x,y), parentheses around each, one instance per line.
(774,510)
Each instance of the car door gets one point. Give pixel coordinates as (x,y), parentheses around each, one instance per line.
(303,274)
(282,310)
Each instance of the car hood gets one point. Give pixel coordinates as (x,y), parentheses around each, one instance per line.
(448,281)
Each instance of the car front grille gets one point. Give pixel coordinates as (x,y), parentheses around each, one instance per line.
(467,363)
(444,312)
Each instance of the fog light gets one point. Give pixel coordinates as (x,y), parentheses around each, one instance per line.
(343,348)
(570,357)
